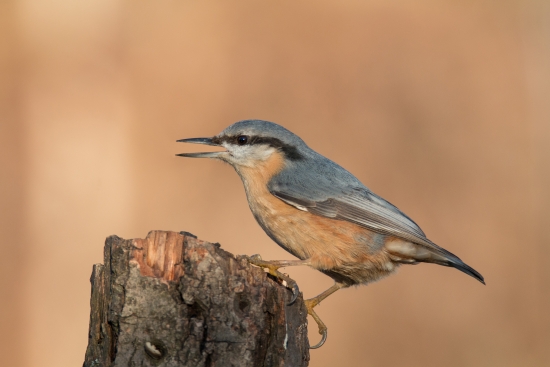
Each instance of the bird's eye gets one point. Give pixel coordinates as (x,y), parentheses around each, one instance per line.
(242,140)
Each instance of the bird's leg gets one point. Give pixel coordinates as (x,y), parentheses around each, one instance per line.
(273,266)
(312,302)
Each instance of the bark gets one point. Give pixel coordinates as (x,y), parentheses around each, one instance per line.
(173,300)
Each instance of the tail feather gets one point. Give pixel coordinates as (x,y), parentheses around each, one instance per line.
(450,259)
(411,253)
(463,267)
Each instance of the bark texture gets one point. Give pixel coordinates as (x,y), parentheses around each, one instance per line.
(173,300)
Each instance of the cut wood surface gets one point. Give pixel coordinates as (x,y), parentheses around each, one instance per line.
(173,300)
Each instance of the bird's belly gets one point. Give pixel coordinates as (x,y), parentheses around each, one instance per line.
(346,252)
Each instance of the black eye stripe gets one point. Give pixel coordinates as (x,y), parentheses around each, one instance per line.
(290,151)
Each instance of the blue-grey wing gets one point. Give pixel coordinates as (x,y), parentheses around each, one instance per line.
(330,191)
(323,188)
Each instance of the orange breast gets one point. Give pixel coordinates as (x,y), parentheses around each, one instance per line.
(330,245)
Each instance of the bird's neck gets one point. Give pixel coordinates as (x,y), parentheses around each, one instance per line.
(256,177)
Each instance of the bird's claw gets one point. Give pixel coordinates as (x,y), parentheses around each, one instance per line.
(295,292)
(284,279)
(323,339)
(323,330)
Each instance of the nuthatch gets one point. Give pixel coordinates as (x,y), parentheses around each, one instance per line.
(319,212)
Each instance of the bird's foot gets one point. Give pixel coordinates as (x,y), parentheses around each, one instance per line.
(272,268)
(323,330)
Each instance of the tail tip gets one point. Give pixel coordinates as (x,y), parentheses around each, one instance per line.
(470,271)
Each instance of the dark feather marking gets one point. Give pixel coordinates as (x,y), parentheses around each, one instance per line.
(289,151)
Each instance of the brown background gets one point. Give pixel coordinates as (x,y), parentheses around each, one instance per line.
(442,107)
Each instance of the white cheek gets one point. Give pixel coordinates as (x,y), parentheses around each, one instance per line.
(263,154)
(238,153)
(248,155)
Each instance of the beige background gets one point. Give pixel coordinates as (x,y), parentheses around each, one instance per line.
(442,107)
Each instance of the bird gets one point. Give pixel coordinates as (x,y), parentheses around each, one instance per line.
(319,212)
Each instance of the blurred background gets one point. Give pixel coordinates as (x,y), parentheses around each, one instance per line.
(441,107)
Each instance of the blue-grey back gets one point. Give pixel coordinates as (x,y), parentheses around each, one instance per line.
(326,187)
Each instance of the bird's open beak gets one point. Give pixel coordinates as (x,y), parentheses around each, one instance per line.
(205,141)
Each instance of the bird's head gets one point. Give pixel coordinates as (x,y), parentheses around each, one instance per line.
(249,143)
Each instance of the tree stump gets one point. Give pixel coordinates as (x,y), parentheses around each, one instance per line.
(173,300)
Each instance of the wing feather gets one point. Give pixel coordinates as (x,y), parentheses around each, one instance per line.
(364,213)
(354,203)
(325,189)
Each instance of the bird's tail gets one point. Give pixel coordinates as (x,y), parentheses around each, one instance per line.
(412,253)
(465,268)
